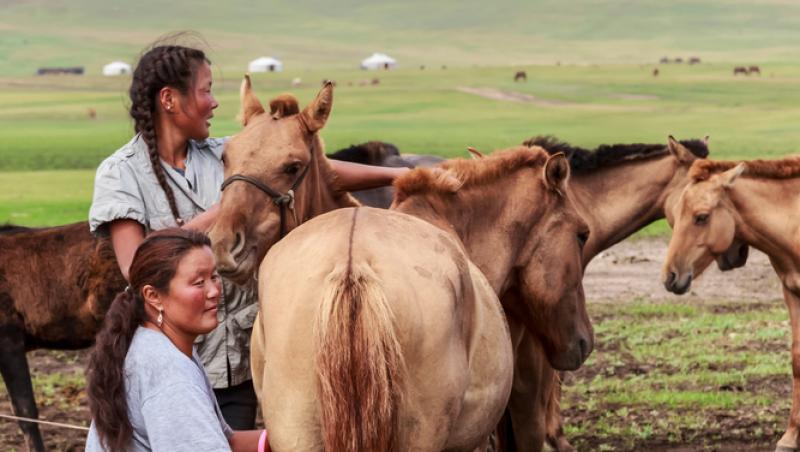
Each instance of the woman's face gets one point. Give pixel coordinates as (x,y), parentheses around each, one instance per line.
(190,307)
(197,106)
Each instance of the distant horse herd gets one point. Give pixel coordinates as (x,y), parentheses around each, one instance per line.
(438,319)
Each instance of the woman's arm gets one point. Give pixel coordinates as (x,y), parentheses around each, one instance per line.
(245,440)
(204,221)
(126,235)
(355,176)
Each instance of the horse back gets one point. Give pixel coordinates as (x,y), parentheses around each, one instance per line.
(58,283)
(426,279)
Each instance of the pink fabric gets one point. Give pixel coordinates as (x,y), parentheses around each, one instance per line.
(263,446)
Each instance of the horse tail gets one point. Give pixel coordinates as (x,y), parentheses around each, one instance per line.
(359,363)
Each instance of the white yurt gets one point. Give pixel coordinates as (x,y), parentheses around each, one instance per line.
(116,68)
(379,61)
(265,64)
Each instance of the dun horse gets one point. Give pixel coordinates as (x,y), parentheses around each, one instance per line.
(754,202)
(647,178)
(232,237)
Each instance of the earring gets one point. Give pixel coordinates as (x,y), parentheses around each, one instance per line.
(160,318)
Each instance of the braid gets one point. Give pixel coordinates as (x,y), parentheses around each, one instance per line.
(161,66)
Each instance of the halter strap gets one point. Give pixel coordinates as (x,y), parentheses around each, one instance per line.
(281,200)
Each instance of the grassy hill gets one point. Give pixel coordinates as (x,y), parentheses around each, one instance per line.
(318,33)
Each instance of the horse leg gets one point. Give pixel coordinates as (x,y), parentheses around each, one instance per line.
(17,376)
(789,440)
(553,422)
(528,403)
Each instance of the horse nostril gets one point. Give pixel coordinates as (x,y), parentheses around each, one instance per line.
(237,243)
(671,277)
(584,348)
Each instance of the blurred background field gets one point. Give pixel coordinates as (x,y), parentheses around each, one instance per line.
(45,122)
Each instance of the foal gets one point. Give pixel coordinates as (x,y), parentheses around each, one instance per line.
(755,202)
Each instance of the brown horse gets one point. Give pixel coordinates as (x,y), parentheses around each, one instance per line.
(754,70)
(647,178)
(242,237)
(500,213)
(740,70)
(322,194)
(56,284)
(520,75)
(755,202)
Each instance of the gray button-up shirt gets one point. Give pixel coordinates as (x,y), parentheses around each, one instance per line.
(125,187)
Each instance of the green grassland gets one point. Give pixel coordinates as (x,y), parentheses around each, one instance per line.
(45,125)
(695,374)
(314,33)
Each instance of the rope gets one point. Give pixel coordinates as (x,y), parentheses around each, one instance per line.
(39,421)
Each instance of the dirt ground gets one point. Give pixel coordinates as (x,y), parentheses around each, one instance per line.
(628,271)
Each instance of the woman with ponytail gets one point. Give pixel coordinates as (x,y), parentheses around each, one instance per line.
(146,386)
(169,174)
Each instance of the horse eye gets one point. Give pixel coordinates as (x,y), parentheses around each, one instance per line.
(583,237)
(701,219)
(292,169)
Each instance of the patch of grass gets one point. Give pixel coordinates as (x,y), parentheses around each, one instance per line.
(671,372)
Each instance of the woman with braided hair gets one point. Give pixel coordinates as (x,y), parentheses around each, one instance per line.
(169,174)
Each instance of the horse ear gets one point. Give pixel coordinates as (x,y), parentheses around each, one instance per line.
(283,106)
(251,106)
(705,139)
(316,113)
(556,172)
(476,154)
(679,151)
(729,177)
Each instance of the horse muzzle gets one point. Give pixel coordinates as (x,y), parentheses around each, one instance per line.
(677,284)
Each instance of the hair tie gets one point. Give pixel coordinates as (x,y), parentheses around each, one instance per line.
(129,290)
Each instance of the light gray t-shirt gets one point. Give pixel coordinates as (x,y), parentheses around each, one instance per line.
(125,187)
(171,405)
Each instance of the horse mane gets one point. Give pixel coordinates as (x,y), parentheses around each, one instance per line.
(786,168)
(9,229)
(606,155)
(462,173)
(371,152)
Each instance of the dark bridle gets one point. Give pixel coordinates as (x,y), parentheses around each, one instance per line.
(283,201)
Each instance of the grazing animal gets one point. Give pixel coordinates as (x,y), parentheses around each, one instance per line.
(655,72)
(694,60)
(754,70)
(751,202)
(56,284)
(664,60)
(92,113)
(520,76)
(678,60)
(740,70)
(235,244)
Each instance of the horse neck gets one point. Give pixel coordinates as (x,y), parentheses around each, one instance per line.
(763,215)
(617,201)
(477,219)
(320,191)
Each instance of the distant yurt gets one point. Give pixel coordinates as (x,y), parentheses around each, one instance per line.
(379,61)
(265,64)
(116,68)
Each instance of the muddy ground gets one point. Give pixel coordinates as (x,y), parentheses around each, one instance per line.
(625,273)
